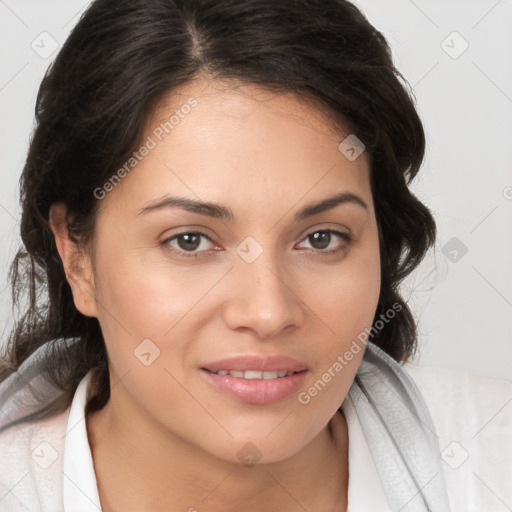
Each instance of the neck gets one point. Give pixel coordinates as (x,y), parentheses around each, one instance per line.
(163,471)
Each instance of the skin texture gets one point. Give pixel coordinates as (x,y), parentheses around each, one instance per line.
(167,438)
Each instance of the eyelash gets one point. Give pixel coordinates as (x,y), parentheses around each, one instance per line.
(345,236)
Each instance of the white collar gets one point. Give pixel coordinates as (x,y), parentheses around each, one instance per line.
(365,492)
(80,487)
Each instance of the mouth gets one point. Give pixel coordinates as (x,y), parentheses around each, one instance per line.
(253,386)
(255,379)
(253,374)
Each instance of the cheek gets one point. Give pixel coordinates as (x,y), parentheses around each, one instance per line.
(149,297)
(145,293)
(348,309)
(356,297)
(346,296)
(143,296)
(345,300)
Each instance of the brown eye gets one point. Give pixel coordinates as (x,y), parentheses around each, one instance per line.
(189,242)
(321,240)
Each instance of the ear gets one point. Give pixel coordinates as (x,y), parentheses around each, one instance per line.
(77,265)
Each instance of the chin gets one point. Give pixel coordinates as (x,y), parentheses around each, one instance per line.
(267,447)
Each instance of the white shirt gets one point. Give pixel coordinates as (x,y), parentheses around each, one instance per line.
(80,490)
(472,416)
(80,487)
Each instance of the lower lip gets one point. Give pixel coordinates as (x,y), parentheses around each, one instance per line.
(256,391)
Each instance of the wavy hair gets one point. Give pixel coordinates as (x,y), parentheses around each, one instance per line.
(119,60)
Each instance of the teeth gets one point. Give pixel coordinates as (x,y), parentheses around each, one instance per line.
(252,374)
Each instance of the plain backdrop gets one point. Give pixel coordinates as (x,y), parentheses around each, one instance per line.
(457,58)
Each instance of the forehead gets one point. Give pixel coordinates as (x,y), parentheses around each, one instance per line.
(241,144)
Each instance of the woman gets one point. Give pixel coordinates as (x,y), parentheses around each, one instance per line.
(215,201)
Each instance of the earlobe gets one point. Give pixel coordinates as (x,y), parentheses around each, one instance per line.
(76,266)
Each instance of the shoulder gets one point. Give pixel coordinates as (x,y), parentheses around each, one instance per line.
(32,458)
(434,377)
(462,399)
(32,453)
(472,416)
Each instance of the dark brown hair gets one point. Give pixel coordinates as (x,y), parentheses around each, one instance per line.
(123,56)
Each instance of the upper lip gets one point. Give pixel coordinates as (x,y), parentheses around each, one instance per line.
(257,363)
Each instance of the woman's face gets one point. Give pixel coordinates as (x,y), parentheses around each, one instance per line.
(253,278)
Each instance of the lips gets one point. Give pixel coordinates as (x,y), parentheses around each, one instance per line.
(257,364)
(254,374)
(256,379)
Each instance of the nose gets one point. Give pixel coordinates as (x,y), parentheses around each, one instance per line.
(262,299)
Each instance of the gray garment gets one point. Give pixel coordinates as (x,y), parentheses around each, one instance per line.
(393,415)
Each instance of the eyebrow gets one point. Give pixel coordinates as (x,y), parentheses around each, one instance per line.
(218,211)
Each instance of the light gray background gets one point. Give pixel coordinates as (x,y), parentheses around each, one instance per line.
(463,301)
